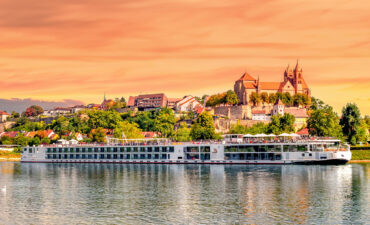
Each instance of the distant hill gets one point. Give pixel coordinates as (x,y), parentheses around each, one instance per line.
(20,105)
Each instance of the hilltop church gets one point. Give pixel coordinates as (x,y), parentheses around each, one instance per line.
(293,83)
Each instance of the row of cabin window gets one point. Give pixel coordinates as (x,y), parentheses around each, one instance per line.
(252,156)
(113,149)
(107,156)
(266,148)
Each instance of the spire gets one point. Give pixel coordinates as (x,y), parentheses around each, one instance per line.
(104,96)
(297,67)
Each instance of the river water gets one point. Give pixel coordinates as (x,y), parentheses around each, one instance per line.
(183,194)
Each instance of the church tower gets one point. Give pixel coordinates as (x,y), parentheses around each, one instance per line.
(298,78)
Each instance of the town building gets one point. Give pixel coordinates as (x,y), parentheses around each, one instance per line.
(148,101)
(3,116)
(293,83)
(188,103)
(300,114)
(260,115)
(171,102)
(77,108)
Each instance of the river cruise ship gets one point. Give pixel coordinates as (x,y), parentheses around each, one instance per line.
(229,151)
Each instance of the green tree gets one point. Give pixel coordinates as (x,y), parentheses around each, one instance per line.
(264,98)
(15,115)
(203,127)
(272,98)
(287,99)
(255,98)
(183,133)
(323,121)
(98,135)
(145,120)
(231,98)
(130,130)
(164,122)
(281,124)
(350,122)
(45,140)
(21,140)
(35,141)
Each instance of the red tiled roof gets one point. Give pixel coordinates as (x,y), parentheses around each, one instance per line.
(11,134)
(4,113)
(303,132)
(258,112)
(246,76)
(299,113)
(150,134)
(173,99)
(248,85)
(270,85)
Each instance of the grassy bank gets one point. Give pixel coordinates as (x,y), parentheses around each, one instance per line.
(9,156)
(360,154)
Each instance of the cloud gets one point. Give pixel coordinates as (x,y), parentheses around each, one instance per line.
(20,105)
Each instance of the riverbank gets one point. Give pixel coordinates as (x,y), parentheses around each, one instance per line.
(9,156)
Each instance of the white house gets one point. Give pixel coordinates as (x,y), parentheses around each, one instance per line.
(259,115)
(3,116)
(188,103)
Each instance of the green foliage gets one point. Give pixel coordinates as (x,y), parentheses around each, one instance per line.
(164,122)
(21,140)
(24,124)
(14,115)
(317,104)
(35,141)
(281,124)
(255,129)
(215,100)
(203,128)
(264,97)
(351,123)
(130,130)
(360,154)
(98,135)
(287,99)
(231,98)
(61,125)
(255,98)
(323,121)
(145,120)
(272,98)
(183,133)
(301,100)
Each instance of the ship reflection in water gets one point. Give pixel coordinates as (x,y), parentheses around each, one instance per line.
(184,194)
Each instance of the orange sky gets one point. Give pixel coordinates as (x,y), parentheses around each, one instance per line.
(79,49)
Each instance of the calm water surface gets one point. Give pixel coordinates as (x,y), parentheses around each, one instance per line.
(183,194)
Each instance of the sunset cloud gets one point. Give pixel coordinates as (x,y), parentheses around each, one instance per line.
(79,49)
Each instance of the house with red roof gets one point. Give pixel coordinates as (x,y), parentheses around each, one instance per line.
(260,115)
(3,116)
(150,134)
(293,83)
(187,104)
(11,134)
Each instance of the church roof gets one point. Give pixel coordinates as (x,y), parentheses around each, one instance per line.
(247,77)
(270,85)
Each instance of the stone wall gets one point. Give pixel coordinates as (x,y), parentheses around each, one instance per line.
(234,112)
